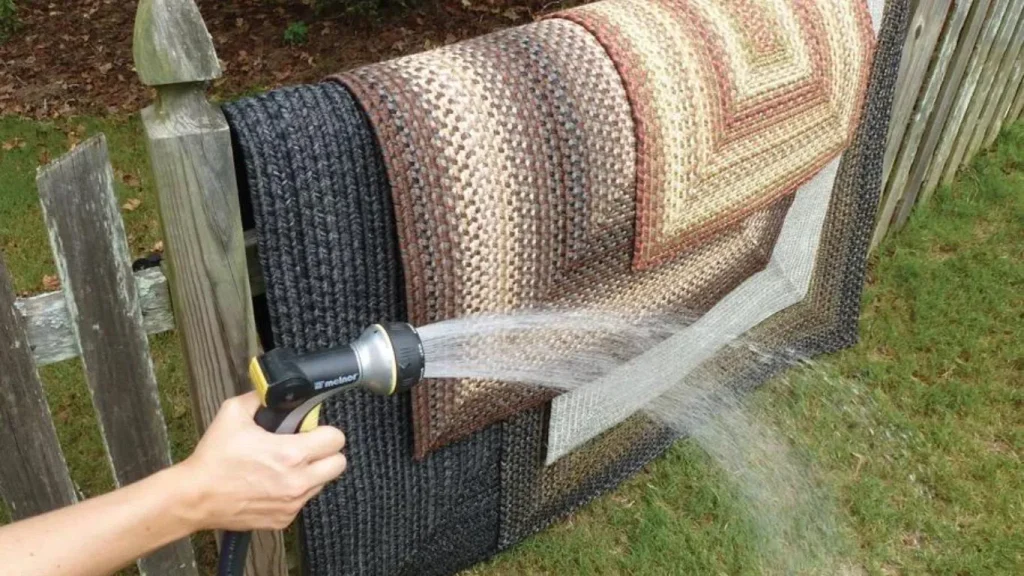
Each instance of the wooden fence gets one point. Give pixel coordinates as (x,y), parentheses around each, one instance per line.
(960,82)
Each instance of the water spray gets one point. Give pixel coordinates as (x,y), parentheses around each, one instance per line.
(385,359)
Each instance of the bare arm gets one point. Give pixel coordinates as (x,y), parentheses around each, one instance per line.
(239,478)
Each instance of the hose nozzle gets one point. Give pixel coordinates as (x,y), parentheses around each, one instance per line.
(385,359)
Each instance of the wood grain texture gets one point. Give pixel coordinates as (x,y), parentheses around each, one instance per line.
(34,477)
(49,328)
(172,45)
(925,58)
(944,164)
(50,335)
(923,34)
(93,261)
(1018,105)
(964,148)
(960,58)
(190,152)
(1008,80)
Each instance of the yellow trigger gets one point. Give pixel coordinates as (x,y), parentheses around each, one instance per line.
(312,420)
(259,381)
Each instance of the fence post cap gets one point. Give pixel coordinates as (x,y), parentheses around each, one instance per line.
(172,45)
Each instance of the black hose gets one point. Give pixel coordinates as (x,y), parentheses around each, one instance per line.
(234,548)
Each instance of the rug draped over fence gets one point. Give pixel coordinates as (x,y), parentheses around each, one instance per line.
(729,171)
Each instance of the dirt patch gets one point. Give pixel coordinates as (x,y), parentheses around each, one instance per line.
(75,57)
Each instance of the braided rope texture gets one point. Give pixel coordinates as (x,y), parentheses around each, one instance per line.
(329,252)
(512,161)
(309,155)
(736,103)
(824,322)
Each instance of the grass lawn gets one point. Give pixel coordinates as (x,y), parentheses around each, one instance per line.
(918,432)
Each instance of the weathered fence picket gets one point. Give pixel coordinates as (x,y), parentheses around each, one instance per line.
(193,166)
(1018,104)
(93,261)
(1000,71)
(945,161)
(911,107)
(1005,103)
(49,328)
(976,12)
(34,477)
(923,32)
(989,64)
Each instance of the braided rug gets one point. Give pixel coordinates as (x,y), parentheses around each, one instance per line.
(736,103)
(512,161)
(824,321)
(328,248)
(322,191)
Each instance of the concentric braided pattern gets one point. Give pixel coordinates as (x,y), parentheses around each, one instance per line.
(736,103)
(512,162)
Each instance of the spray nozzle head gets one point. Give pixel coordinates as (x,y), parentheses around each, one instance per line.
(385,359)
(390,358)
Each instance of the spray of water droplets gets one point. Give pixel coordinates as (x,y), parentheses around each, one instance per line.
(795,519)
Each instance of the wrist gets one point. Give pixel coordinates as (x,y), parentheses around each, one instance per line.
(189,500)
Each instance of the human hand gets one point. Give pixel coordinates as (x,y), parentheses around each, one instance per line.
(245,478)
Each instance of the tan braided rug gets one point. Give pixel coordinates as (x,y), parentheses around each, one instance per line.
(512,159)
(736,103)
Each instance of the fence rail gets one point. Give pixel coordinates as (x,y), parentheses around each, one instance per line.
(961,80)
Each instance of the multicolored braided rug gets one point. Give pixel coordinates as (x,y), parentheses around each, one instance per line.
(728,171)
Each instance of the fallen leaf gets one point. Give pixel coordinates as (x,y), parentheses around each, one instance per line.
(51,282)
(511,14)
(44,156)
(131,205)
(131,180)
(104,68)
(12,144)
(158,247)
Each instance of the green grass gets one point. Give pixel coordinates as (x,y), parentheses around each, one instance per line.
(918,432)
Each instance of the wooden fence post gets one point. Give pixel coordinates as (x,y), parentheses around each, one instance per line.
(34,479)
(190,152)
(94,264)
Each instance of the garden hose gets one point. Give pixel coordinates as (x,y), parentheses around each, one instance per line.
(385,359)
